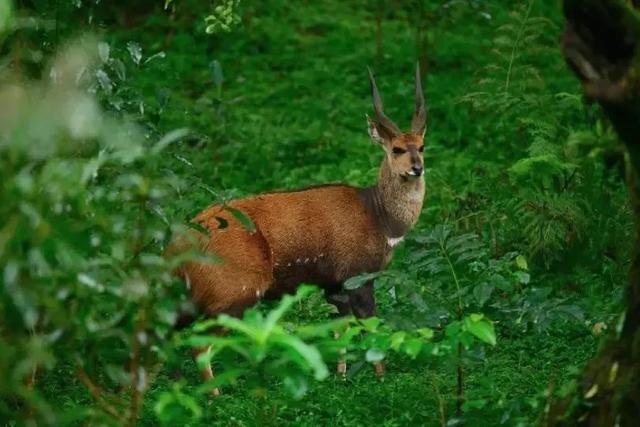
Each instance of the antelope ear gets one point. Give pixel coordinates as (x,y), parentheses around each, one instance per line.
(373,131)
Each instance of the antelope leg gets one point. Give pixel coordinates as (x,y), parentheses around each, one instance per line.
(207,371)
(341,301)
(363,305)
(342,358)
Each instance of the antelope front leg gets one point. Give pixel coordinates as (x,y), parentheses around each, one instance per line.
(341,301)
(341,367)
(363,305)
(207,371)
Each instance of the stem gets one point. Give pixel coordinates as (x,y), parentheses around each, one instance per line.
(137,389)
(515,45)
(460,386)
(96,392)
(455,278)
(441,413)
(459,369)
(442,300)
(494,240)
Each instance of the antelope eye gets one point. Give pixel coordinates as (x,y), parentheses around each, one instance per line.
(421,149)
(398,150)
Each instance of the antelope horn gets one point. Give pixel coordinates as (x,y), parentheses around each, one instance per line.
(385,125)
(419,121)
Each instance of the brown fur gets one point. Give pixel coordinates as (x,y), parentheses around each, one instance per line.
(322,235)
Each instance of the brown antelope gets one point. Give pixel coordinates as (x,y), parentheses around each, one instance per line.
(322,235)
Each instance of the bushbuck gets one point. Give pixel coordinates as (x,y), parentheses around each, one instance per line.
(322,235)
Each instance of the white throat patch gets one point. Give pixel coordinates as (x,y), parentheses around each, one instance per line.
(393,241)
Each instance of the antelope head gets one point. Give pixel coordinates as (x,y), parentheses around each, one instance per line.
(404,157)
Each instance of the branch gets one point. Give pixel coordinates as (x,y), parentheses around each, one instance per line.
(96,392)
(137,385)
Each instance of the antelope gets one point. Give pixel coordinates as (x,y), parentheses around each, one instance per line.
(323,235)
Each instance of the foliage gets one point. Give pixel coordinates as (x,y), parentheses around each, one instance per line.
(80,208)
(223,17)
(256,337)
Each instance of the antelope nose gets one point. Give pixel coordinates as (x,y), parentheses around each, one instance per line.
(417,170)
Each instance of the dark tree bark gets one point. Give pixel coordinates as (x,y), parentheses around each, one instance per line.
(601,43)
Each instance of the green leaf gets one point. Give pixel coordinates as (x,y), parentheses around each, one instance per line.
(169,138)
(135,51)
(371,324)
(374,355)
(217,342)
(397,339)
(242,218)
(198,227)
(285,303)
(476,317)
(483,292)
(357,281)
(103,51)
(309,353)
(466,339)
(522,277)
(474,404)
(572,310)
(426,333)
(324,329)
(521,262)
(297,385)
(481,328)
(501,283)
(216,71)
(226,377)
(176,397)
(239,326)
(412,347)
(6,15)
(90,169)
(204,325)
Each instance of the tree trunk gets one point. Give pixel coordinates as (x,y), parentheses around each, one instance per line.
(601,43)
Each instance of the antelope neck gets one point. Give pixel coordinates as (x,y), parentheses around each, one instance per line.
(394,203)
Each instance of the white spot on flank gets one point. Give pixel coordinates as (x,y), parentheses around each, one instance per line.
(393,241)
(288,264)
(298,260)
(321,255)
(306,260)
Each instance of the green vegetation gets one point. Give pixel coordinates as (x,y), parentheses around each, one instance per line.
(120,121)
